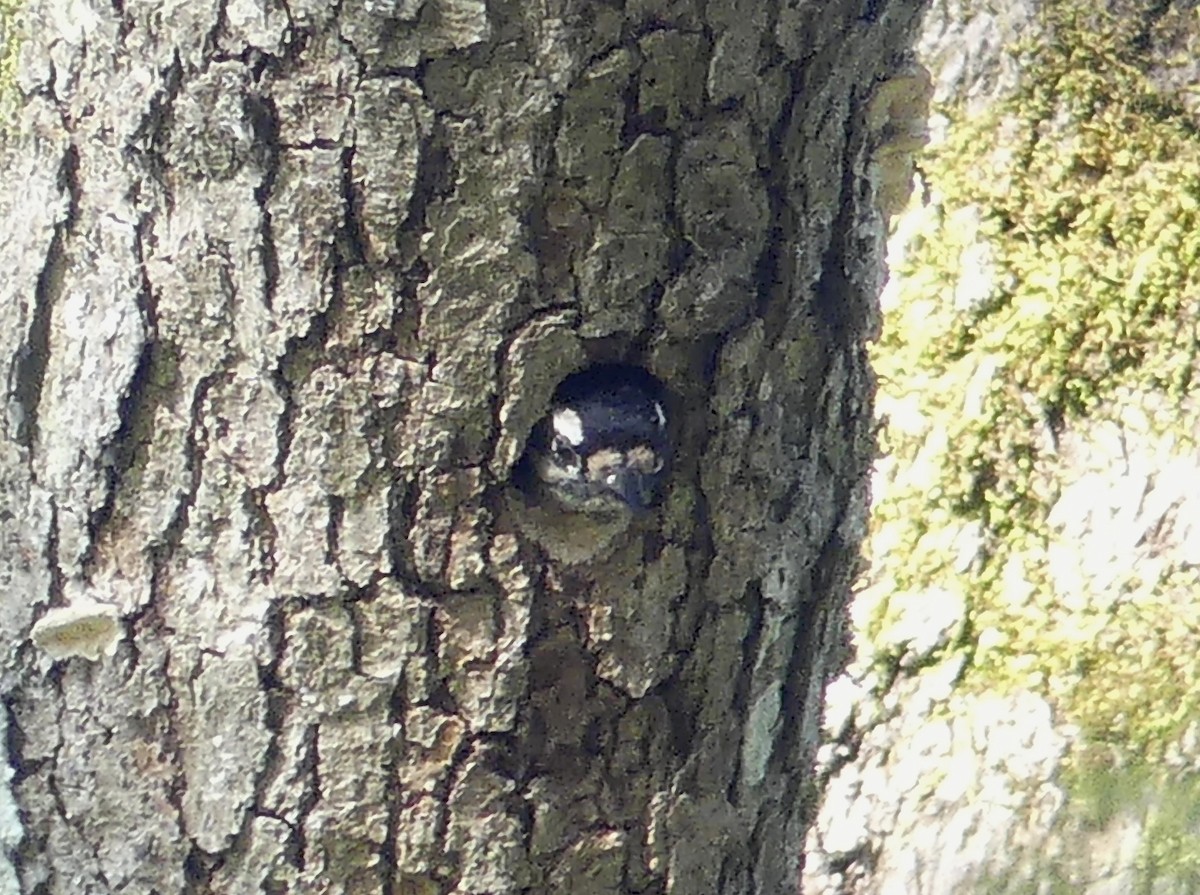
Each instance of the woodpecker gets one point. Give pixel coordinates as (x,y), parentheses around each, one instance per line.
(604,446)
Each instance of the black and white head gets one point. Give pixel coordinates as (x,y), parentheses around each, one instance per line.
(604,446)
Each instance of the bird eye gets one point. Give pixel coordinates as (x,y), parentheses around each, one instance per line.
(563,452)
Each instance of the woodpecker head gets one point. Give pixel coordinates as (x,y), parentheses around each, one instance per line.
(604,445)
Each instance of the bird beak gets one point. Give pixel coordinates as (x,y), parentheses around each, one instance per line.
(635,489)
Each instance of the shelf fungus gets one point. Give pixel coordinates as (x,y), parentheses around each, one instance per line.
(85,629)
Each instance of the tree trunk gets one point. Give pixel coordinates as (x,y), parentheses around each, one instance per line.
(287,287)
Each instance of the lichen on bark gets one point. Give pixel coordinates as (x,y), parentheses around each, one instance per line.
(1045,308)
(1026,680)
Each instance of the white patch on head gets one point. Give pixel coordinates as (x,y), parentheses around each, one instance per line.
(662,417)
(568,424)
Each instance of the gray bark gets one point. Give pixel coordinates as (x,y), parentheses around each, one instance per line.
(290,285)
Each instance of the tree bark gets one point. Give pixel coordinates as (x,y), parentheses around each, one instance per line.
(287,286)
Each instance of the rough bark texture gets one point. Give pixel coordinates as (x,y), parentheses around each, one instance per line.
(290,285)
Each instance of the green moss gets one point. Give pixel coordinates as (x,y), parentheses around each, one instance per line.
(1101,793)
(1165,806)
(1077,202)
(1171,846)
